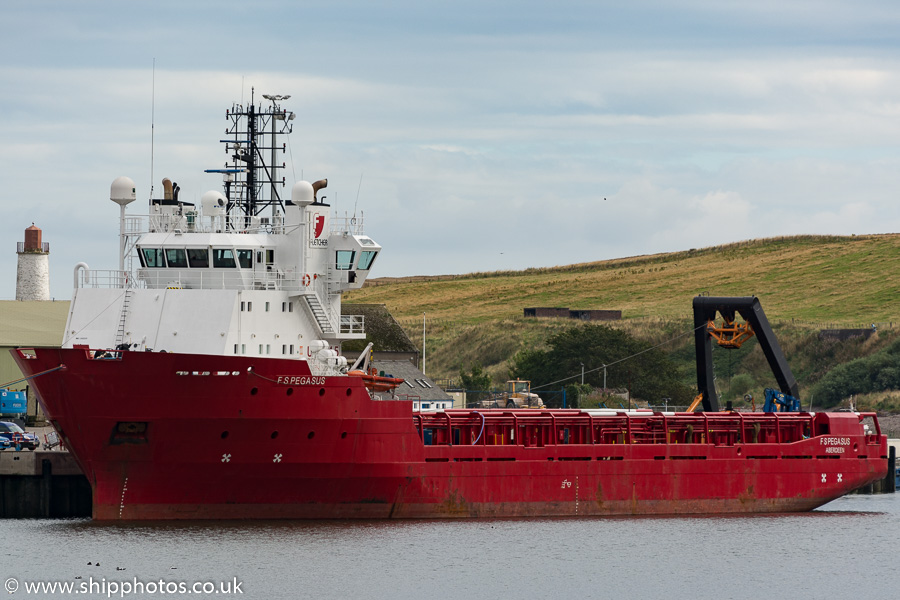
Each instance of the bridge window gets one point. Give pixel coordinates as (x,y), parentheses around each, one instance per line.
(223,258)
(245,258)
(153,257)
(344,260)
(176,258)
(198,258)
(365,259)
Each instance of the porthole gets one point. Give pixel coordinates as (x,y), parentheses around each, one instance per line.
(253,391)
(321,391)
(343,434)
(290,391)
(349,391)
(224,434)
(311,435)
(274,435)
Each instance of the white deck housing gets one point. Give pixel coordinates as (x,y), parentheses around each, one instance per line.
(213,284)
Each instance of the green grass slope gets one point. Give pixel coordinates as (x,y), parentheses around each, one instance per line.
(816,278)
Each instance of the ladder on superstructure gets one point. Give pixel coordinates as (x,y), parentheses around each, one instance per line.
(318,313)
(120,334)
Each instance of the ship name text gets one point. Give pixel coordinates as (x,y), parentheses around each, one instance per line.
(834,441)
(286,380)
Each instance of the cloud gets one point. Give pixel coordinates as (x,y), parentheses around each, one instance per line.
(474,137)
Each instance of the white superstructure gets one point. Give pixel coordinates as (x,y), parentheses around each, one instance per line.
(222,279)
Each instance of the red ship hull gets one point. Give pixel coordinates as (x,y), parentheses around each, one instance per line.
(177,436)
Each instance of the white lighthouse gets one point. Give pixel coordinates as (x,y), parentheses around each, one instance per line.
(33,272)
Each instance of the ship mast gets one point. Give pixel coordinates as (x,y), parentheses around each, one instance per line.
(252,138)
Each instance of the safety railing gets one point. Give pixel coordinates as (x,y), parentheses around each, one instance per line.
(191,221)
(20,248)
(531,427)
(190,279)
(348,224)
(353,324)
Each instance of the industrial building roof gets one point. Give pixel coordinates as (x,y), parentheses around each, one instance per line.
(33,323)
(415,382)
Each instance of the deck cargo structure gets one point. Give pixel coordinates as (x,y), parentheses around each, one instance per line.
(203,380)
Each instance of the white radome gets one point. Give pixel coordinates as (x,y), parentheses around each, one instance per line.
(122,191)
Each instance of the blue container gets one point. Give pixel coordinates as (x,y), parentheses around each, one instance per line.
(13,403)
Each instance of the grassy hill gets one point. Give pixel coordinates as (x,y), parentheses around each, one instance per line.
(805,283)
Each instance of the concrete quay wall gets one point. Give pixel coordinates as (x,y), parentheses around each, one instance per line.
(42,484)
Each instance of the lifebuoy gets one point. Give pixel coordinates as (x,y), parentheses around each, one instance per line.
(306,280)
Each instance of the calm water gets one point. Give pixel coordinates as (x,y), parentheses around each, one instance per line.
(847,549)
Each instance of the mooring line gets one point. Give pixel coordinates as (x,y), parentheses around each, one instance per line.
(6,385)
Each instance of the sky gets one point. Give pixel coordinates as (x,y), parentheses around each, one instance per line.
(473,136)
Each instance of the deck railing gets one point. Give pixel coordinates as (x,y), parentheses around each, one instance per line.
(538,428)
(191,221)
(223,279)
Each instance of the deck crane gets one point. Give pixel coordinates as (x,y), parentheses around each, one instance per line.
(731,335)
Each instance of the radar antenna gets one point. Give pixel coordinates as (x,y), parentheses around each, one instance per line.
(252,147)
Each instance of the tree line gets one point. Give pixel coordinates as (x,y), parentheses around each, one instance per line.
(631,364)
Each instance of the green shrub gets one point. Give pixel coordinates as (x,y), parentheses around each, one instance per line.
(741,384)
(632,364)
(874,373)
